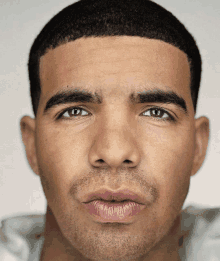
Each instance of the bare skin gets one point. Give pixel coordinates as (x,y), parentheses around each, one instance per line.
(115,144)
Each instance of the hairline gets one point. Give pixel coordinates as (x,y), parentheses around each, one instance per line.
(66,41)
(50,37)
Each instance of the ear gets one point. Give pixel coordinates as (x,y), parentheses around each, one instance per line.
(201,142)
(27,125)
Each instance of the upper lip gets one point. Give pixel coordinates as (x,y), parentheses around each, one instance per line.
(119,195)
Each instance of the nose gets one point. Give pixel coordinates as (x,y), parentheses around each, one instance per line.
(114,147)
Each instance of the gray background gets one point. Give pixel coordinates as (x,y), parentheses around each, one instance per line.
(21,20)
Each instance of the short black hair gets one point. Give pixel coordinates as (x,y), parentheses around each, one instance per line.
(100,18)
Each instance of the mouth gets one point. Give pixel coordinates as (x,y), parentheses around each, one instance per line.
(115,196)
(108,206)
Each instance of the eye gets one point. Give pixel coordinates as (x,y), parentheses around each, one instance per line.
(158,114)
(73,112)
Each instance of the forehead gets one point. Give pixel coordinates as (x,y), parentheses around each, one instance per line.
(115,64)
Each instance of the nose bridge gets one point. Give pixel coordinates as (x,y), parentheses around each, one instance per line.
(116,138)
(115,143)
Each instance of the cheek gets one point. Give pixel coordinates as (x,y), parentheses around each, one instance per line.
(169,158)
(60,159)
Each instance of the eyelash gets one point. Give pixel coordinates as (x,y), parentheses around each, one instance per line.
(169,118)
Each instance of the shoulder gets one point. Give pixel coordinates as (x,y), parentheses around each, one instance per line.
(202,227)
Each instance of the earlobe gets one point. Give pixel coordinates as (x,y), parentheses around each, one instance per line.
(201,142)
(27,125)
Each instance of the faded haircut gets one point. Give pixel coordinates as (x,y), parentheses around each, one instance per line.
(100,18)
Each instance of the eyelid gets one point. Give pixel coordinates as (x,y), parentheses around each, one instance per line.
(162,109)
(60,114)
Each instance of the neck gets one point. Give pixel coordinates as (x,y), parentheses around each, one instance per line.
(57,248)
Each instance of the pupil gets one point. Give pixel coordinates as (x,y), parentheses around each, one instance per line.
(75,111)
(157,112)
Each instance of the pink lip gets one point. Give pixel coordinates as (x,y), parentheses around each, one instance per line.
(120,195)
(105,211)
(119,206)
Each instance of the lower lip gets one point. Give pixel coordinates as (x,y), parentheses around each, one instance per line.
(105,211)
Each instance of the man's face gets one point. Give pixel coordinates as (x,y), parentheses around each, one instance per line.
(120,141)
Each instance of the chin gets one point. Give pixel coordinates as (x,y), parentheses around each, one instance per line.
(112,244)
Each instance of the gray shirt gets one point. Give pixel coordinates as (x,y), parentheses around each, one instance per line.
(21,237)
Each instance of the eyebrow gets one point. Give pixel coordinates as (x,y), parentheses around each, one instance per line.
(72,96)
(159,96)
(150,96)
